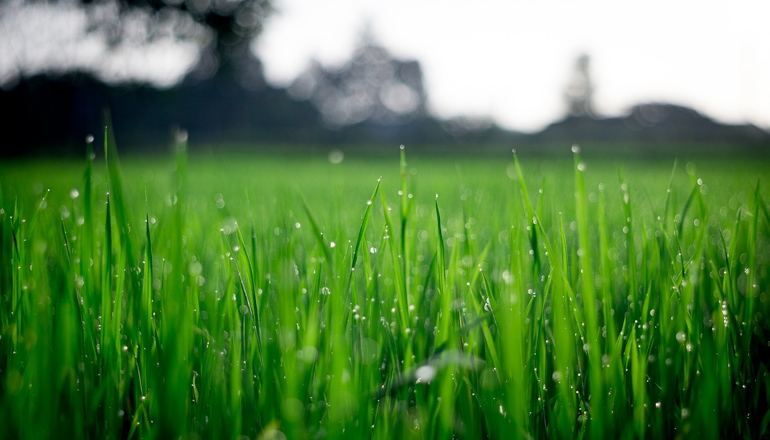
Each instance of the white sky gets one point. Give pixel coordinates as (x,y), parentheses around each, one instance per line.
(512,59)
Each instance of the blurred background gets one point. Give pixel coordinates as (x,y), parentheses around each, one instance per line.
(487,76)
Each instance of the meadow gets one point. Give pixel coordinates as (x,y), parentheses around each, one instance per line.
(414,297)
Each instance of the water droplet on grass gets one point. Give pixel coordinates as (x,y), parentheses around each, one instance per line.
(425,374)
(336,156)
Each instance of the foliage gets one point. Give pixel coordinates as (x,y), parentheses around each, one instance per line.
(275,298)
(372,86)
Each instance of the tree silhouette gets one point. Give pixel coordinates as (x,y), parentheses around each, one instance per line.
(579,92)
(222,29)
(372,86)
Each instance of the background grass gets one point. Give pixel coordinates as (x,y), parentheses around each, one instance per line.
(272,297)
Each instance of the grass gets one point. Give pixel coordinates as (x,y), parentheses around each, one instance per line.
(274,298)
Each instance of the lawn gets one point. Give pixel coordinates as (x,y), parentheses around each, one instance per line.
(403,296)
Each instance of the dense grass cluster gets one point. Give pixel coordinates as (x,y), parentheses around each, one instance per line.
(285,303)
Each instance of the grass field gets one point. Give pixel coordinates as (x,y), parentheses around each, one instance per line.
(269,297)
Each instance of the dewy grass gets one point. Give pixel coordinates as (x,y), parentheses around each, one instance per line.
(135,308)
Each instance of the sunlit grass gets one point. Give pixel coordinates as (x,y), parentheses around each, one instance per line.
(276,298)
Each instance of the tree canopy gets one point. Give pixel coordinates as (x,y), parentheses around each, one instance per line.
(372,85)
(234,24)
(215,35)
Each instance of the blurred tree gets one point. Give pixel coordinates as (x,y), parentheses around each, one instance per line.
(372,86)
(233,23)
(222,30)
(580,89)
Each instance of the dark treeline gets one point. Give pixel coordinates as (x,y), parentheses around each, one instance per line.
(53,115)
(372,100)
(46,115)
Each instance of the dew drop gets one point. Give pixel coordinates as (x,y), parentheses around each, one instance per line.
(425,374)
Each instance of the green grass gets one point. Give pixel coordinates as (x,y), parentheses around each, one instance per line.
(272,298)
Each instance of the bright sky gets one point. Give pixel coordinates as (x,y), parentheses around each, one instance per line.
(512,59)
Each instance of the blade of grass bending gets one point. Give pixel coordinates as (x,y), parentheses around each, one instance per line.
(436,362)
(461,332)
(78,306)
(319,236)
(607,299)
(87,230)
(88,291)
(32,222)
(177,329)
(404,250)
(399,275)
(148,338)
(563,343)
(18,278)
(444,410)
(255,269)
(686,208)
(762,206)
(515,337)
(590,314)
(121,207)
(252,311)
(362,231)
(67,250)
(638,369)
(117,313)
(106,279)
(250,295)
(667,206)
(488,338)
(405,206)
(752,286)
(105,349)
(533,239)
(633,280)
(445,317)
